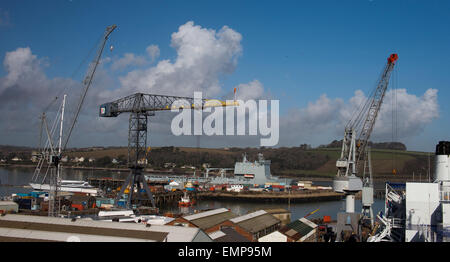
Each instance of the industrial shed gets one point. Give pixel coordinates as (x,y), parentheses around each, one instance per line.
(282,214)
(208,221)
(253,225)
(35,228)
(301,230)
(227,235)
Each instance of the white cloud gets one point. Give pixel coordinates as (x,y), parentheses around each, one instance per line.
(413,113)
(326,118)
(251,90)
(26,81)
(203,55)
(153,52)
(128,59)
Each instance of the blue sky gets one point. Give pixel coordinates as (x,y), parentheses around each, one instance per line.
(298,50)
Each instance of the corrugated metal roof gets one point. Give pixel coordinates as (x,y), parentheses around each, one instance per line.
(230,235)
(48,228)
(277,211)
(258,223)
(298,228)
(181,234)
(248,216)
(216,234)
(175,233)
(212,220)
(206,213)
(308,222)
(38,235)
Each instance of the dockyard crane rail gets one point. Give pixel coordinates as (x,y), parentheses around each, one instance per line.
(140,106)
(356,138)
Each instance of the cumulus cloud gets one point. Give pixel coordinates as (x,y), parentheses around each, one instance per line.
(203,55)
(328,117)
(26,81)
(153,52)
(25,91)
(251,90)
(413,113)
(128,59)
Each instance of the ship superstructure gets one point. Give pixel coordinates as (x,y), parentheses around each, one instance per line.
(245,172)
(417,211)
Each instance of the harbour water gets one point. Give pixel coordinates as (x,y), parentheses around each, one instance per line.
(20,176)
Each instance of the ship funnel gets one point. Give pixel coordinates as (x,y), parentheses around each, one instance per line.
(442,170)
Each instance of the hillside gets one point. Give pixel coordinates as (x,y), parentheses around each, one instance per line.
(287,162)
(294,162)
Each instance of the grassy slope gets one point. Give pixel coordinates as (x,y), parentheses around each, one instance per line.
(382,161)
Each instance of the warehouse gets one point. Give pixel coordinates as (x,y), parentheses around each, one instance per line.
(208,221)
(35,228)
(282,214)
(301,230)
(253,225)
(227,235)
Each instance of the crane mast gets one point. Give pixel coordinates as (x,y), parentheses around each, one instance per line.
(88,79)
(52,154)
(359,129)
(356,138)
(140,106)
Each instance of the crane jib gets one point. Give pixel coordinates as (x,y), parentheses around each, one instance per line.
(359,129)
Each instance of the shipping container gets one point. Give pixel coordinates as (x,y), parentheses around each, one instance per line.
(78,207)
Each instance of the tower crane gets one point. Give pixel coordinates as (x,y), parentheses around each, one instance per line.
(141,106)
(356,138)
(50,154)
